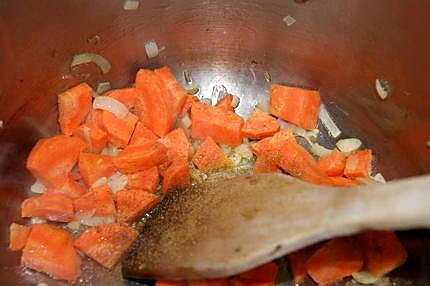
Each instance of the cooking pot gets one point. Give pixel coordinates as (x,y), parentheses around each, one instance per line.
(340,47)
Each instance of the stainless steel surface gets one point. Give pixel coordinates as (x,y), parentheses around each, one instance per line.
(339,47)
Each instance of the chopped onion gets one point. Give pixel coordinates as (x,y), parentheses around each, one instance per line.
(151,49)
(218,92)
(319,150)
(74,225)
(236,100)
(110,151)
(193,91)
(86,58)
(38,187)
(267,76)
(110,104)
(365,277)
(348,145)
(117,182)
(382,88)
(184,122)
(328,122)
(235,159)
(98,220)
(100,182)
(42,284)
(130,5)
(254,77)
(226,149)
(102,87)
(36,220)
(244,152)
(289,20)
(379,178)
(264,105)
(187,77)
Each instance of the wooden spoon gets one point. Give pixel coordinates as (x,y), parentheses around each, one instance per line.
(229,227)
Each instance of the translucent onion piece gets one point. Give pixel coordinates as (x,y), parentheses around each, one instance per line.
(218,92)
(264,105)
(151,49)
(36,220)
(348,145)
(328,122)
(117,182)
(110,104)
(98,220)
(236,100)
(74,225)
(184,121)
(382,88)
(38,188)
(244,152)
(379,178)
(102,87)
(130,5)
(86,58)
(100,182)
(110,151)
(365,277)
(319,150)
(289,20)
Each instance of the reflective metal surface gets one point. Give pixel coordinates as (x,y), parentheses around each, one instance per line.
(337,46)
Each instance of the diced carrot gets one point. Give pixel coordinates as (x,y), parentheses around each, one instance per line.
(178,148)
(236,281)
(54,207)
(338,258)
(208,282)
(18,236)
(226,103)
(50,250)
(170,283)
(119,129)
(99,200)
(333,164)
(297,264)
(296,160)
(177,92)
(95,138)
(133,203)
(147,180)
(177,144)
(142,134)
(382,251)
(358,164)
(126,96)
(97,118)
(162,100)
(106,243)
(264,165)
(190,99)
(176,176)
(93,167)
(70,189)
(209,156)
(260,125)
(153,108)
(270,146)
(53,158)
(222,125)
(266,272)
(141,157)
(296,105)
(73,107)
